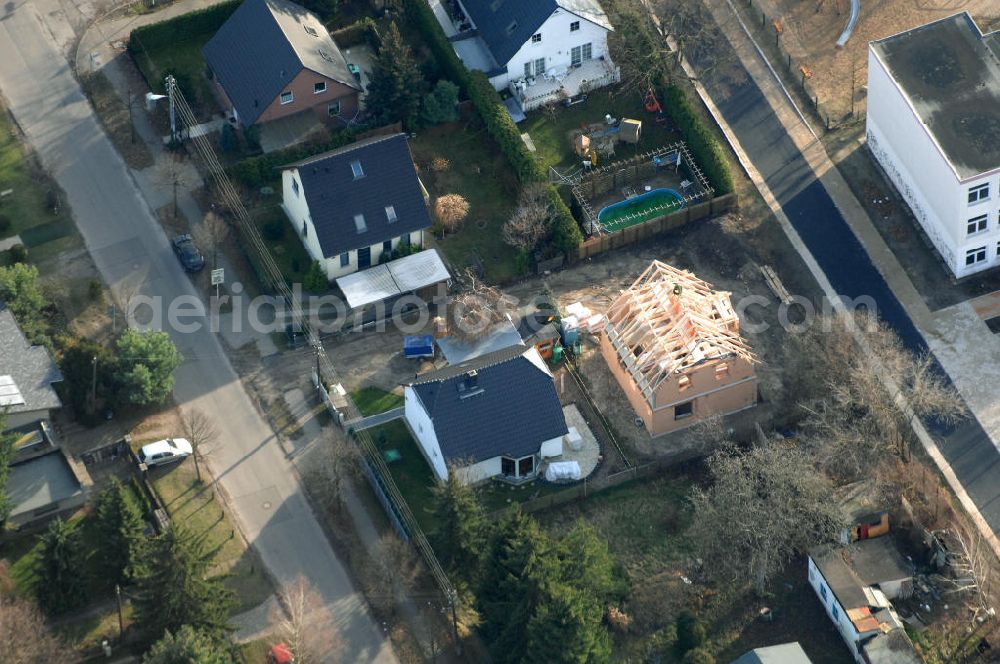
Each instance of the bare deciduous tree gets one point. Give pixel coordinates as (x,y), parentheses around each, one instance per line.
(171,172)
(853,416)
(450,211)
(389,573)
(969,566)
(306,624)
(531,220)
(764,505)
(211,234)
(333,465)
(475,311)
(24,634)
(201,432)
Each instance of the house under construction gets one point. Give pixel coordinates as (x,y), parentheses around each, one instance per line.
(674,346)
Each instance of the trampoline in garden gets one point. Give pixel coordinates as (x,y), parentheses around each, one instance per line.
(635,210)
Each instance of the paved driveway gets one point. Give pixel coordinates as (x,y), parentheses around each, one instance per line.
(126,243)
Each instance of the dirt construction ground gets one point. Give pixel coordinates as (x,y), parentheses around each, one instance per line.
(811,29)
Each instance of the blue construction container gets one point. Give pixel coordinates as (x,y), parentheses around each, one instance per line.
(418,346)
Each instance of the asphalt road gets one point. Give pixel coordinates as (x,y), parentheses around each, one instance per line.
(128,244)
(809,208)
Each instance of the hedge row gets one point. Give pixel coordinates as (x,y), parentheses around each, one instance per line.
(422,16)
(704,147)
(167,33)
(566,235)
(256,172)
(359,32)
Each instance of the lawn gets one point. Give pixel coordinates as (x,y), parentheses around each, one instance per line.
(27,210)
(550,130)
(410,471)
(194,505)
(463,159)
(374,400)
(283,241)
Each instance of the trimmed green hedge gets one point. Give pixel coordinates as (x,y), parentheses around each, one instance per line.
(359,32)
(256,172)
(163,34)
(706,150)
(422,17)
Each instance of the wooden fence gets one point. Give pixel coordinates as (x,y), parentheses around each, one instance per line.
(598,244)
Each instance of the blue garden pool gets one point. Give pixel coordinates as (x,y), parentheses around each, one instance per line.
(638,209)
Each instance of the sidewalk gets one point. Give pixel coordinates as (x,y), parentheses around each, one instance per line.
(847,256)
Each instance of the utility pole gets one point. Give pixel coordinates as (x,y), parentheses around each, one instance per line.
(93,384)
(171,85)
(121,615)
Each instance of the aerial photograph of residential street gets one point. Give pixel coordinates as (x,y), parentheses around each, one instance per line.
(500,331)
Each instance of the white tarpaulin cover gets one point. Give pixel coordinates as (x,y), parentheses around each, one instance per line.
(403,275)
(562,470)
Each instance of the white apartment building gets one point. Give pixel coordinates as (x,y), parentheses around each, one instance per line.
(934,126)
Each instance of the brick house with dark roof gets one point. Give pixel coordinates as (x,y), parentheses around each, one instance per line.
(355,205)
(497,415)
(273,58)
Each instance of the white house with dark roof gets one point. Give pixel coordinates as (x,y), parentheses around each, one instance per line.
(497,415)
(27,374)
(354,206)
(934,127)
(540,49)
(274,58)
(856,585)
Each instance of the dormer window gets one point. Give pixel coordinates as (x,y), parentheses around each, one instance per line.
(311,31)
(390,214)
(357,170)
(359,223)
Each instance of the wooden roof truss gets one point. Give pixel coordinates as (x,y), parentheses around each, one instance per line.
(669,322)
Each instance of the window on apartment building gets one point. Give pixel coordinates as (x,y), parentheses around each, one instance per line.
(319,87)
(287,97)
(683,410)
(539,66)
(834,612)
(333,110)
(977,255)
(387,247)
(535,38)
(404,240)
(305,229)
(295,186)
(822,591)
(976,225)
(574,26)
(345,259)
(980,192)
(528,71)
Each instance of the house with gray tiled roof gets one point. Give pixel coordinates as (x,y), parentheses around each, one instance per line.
(497,415)
(274,58)
(26,376)
(540,49)
(355,205)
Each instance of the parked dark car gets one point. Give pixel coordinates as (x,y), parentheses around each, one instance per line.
(188,253)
